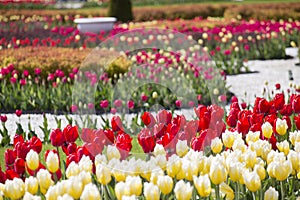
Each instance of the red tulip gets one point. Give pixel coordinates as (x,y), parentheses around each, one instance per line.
(11,174)
(255,127)
(164,117)
(256,118)
(18,138)
(71,158)
(234,99)
(277,86)
(144,97)
(243,105)
(288,121)
(81,151)
(10,157)
(279,101)
(110,137)
(57,176)
(87,135)
(36,144)
(22,149)
(123,143)
(72,147)
(19,166)
(286,110)
(297,121)
(190,131)
(18,113)
(243,125)
(263,106)
(57,137)
(70,133)
(159,130)
(148,119)
(2,176)
(73,108)
(146,140)
(37,71)
(296,104)
(178,103)
(231,120)
(116,123)
(197,143)
(3,118)
(169,142)
(200,110)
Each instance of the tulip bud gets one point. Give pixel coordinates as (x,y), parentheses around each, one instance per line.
(165,184)
(103,174)
(282,170)
(52,162)
(14,189)
(113,152)
(217,173)
(271,194)
(216,145)
(135,185)
(121,189)
(181,148)
(173,165)
(252,181)
(90,191)
(281,126)
(159,150)
(228,139)
(75,187)
(202,185)
(267,129)
(227,191)
(44,180)
(183,190)
(31,185)
(32,160)
(72,170)
(283,147)
(151,191)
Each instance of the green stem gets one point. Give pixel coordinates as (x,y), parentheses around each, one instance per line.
(217,192)
(237,192)
(282,190)
(253,195)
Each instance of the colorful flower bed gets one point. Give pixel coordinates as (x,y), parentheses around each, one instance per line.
(249,154)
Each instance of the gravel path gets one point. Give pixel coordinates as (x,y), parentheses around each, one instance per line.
(273,71)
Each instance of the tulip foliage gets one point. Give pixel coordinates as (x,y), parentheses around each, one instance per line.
(245,154)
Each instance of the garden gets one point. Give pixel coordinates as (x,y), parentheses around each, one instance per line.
(165,105)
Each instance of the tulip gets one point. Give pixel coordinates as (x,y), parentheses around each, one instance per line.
(227,191)
(52,193)
(173,166)
(29,196)
(121,189)
(19,166)
(235,171)
(57,138)
(283,147)
(203,185)
(159,150)
(271,194)
(75,187)
(31,185)
(72,170)
(151,191)
(130,104)
(183,190)
(281,126)
(103,174)
(250,158)
(52,162)
(135,185)
(228,139)
(165,184)
(44,180)
(252,181)
(260,170)
(113,152)
(146,140)
(282,170)
(32,160)
(19,113)
(116,123)
(14,189)
(217,173)
(216,145)
(267,129)
(70,133)
(3,118)
(181,148)
(90,192)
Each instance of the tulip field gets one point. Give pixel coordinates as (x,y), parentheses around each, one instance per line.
(144,111)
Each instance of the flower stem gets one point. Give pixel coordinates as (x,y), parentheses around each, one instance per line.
(237,192)
(253,195)
(217,192)
(282,190)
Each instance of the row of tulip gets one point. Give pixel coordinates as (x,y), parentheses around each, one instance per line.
(229,45)
(255,157)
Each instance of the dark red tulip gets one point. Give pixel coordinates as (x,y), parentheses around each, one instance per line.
(277,86)
(231,120)
(243,126)
(10,157)
(123,143)
(2,176)
(22,149)
(70,133)
(148,119)
(263,106)
(57,137)
(3,118)
(197,143)
(116,123)
(286,110)
(18,138)
(19,166)
(243,105)
(296,104)
(146,140)
(18,113)
(72,147)
(200,110)
(110,137)
(297,121)
(71,158)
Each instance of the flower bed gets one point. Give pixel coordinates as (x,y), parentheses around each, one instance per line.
(244,154)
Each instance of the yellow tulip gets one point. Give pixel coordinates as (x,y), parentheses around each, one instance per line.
(271,194)
(173,165)
(250,158)
(135,185)
(267,130)
(155,174)
(75,187)
(283,147)
(121,189)
(281,126)
(294,157)
(252,137)
(282,170)
(216,145)
(113,152)
(103,174)
(151,191)
(14,189)
(227,191)
(52,162)
(203,185)
(260,170)
(90,192)
(181,148)
(165,184)
(235,171)
(31,185)
(32,160)
(252,181)
(72,170)
(44,180)
(228,139)
(217,173)
(183,191)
